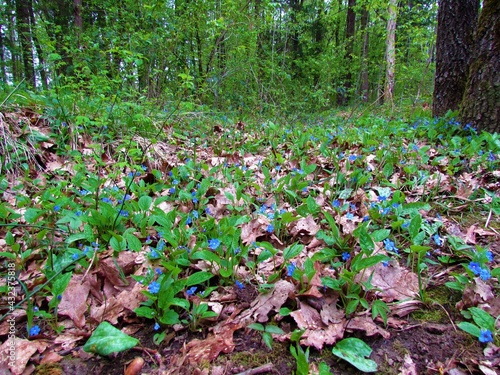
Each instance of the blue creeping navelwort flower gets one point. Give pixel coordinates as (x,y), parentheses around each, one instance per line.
(154,287)
(270,228)
(35,330)
(349,216)
(214,243)
(336,203)
(191,291)
(489,256)
(438,240)
(239,284)
(107,200)
(290,269)
(485,336)
(57,208)
(390,246)
(156,327)
(346,256)
(475,267)
(485,274)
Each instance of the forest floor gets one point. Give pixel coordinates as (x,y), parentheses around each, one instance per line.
(226,248)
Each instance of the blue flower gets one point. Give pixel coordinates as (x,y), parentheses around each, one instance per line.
(346,256)
(156,326)
(35,330)
(270,228)
(171,190)
(189,221)
(489,255)
(484,274)
(352,157)
(107,200)
(336,203)
(389,246)
(290,269)
(349,216)
(78,213)
(154,287)
(158,271)
(84,192)
(124,213)
(191,291)
(175,182)
(239,284)
(214,243)
(208,212)
(278,168)
(485,336)
(475,267)
(405,225)
(57,208)
(144,168)
(438,240)
(75,256)
(382,198)
(195,214)
(153,254)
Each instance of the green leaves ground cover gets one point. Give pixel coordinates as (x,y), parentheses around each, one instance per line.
(323,210)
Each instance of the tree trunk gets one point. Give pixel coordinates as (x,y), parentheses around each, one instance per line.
(24,33)
(39,53)
(365,84)
(481,102)
(457,22)
(343,97)
(390,52)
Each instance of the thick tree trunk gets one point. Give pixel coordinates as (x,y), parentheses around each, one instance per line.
(343,97)
(39,53)
(457,22)
(481,102)
(24,33)
(390,52)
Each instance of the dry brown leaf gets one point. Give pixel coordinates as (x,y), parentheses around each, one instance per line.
(392,282)
(74,300)
(366,324)
(304,226)
(24,350)
(408,366)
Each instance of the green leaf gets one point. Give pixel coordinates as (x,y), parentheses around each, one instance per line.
(132,241)
(145,202)
(9,238)
(107,339)
(415,225)
(365,241)
(207,255)
(359,264)
(256,326)
(118,243)
(145,312)
(482,318)
(470,328)
(380,235)
(198,278)
(292,251)
(354,351)
(274,329)
(7,255)
(268,340)
(32,214)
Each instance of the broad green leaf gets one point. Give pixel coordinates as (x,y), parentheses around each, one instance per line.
(198,278)
(274,329)
(256,326)
(359,264)
(415,225)
(268,339)
(354,351)
(9,238)
(107,339)
(118,243)
(345,194)
(7,255)
(145,312)
(380,235)
(132,241)
(145,202)
(365,241)
(482,318)
(32,214)
(470,328)
(207,255)
(292,251)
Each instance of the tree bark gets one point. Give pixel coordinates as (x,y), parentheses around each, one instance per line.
(343,97)
(24,33)
(481,102)
(457,22)
(365,83)
(390,52)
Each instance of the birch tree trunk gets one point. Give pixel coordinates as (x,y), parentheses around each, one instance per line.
(390,52)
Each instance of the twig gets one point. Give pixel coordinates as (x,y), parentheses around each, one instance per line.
(258,370)
(488,220)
